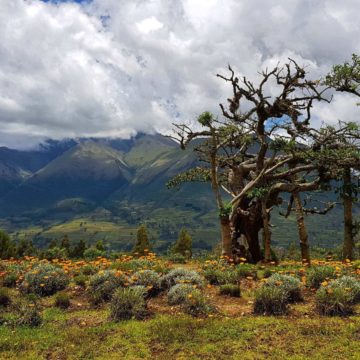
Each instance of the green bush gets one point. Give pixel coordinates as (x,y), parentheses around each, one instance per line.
(142,245)
(80,280)
(216,276)
(88,270)
(292,286)
(196,305)
(133,265)
(245,270)
(44,280)
(5,299)
(92,253)
(270,300)
(348,284)
(180,275)
(149,279)
(178,293)
(334,301)
(62,301)
(30,316)
(177,258)
(128,303)
(55,253)
(183,244)
(103,285)
(10,279)
(230,290)
(318,274)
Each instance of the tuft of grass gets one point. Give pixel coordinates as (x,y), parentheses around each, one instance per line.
(318,274)
(334,301)
(62,301)
(230,290)
(292,286)
(178,293)
(271,300)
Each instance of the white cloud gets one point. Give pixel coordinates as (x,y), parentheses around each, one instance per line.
(111,68)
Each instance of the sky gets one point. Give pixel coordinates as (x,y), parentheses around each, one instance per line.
(117,67)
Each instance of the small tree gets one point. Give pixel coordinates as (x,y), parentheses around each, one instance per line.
(183,244)
(142,241)
(65,244)
(79,249)
(7,247)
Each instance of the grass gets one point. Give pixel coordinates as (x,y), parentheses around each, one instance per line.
(76,335)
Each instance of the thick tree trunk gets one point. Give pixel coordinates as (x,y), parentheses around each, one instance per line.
(266,231)
(226,238)
(348,244)
(252,237)
(303,234)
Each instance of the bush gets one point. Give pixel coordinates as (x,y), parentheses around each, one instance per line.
(133,265)
(178,293)
(9,280)
(177,258)
(5,299)
(318,274)
(333,301)
(62,301)
(348,284)
(180,275)
(128,303)
(92,253)
(183,244)
(196,305)
(142,246)
(80,280)
(89,270)
(149,279)
(44,280)
(55,253)
(270,300)
(245,270)
(103,285)
(289,284)
(217,276)
(230,290)
(30,316)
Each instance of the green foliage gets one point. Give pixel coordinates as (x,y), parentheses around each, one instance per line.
(133,265)
(177,258)
(195,304)
(183,244)
(104,284)
(291,286)
(9,280)
(217,276)
(245,270)
(44,280)
(5,299)
(149,279)
(348,284)
(196,174)
(271,300)
(88,270)
(128,303)
(230,290)
(79,249)
(80,280)
(142,246)
(206,118)
(180,275)
(92,253)
(334,301)
(7,247)
(178,293)
(55,253)
(62,301)
(225,211)
(318,274)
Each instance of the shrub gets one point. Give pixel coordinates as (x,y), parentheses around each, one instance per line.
(62,301)
(333,301)
(178,293)
(177,258)
(196,305)
(9,280)
(103,285)
(55,253)
(348,284)
(318,274)
(5,299)
(44,280)
(80,280)
(289,284)
(216,276)
(128,303)
(133,265)
(230,290)
(149,279)
(245,270)
(142,245)
(30,316)
(89,270)
(92,253)
(183,244)
(270,300)
(180,275)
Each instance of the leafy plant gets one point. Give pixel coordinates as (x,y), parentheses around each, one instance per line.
(180,275)
(195,304)
(271,300)
(149,279)
(230,290)
(5,299)
(291,285)
(178,293)
(334,301)
(318,274)
(62,301)
(128,303)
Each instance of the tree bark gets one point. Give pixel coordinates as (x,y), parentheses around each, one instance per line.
(226,238)
(266,231)
(348,244)
(303,234)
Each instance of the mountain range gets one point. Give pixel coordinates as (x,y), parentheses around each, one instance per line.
(104,188)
